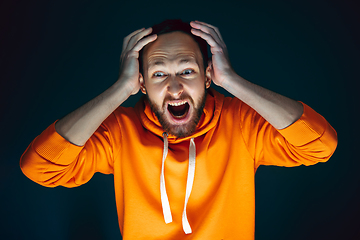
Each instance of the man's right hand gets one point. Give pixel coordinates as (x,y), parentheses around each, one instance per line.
(129,62)
(78,126)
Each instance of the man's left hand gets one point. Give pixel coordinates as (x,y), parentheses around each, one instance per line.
(221,70)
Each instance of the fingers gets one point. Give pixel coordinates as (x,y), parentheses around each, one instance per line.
(126,39)
(133,39)
(210,34)
(207,37)
(213,27)
(143,42)
(207,28)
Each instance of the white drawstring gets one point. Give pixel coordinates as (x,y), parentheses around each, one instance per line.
(189,183)
(164,198)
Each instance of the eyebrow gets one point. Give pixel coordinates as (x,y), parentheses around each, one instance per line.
(181,61)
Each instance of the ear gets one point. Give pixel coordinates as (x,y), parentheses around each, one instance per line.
(208,75)
(142,83)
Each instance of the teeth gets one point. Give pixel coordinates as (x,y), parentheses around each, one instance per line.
(177,104)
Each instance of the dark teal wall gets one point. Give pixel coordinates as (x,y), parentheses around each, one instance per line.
(57,55)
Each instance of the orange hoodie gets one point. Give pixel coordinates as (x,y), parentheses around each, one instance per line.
(230,143)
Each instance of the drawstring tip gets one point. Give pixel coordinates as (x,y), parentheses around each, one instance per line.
(187,231)
(187,228)
(168,219)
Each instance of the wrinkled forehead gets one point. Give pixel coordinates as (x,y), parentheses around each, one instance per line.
(172,47)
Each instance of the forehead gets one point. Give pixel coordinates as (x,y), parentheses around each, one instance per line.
(174,46)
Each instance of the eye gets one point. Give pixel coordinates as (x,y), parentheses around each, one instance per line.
(188,72)
(159,74)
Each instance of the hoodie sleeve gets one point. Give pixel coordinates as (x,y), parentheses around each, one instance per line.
(309,140)
(50,160)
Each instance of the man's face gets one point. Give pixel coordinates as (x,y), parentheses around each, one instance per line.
(174,81)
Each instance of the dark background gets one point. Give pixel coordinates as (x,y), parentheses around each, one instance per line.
(57,55)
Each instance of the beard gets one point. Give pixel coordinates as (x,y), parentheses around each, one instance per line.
(183,130)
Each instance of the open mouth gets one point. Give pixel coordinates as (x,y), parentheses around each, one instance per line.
(178,110)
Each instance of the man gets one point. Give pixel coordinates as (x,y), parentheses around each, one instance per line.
(212,144)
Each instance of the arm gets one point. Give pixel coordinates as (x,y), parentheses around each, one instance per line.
(72,149)
(78,126)
(292,134)
(278,110)
(309,140)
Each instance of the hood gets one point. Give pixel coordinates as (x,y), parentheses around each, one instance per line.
(210,117)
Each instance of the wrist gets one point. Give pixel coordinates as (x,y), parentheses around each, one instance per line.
(123,87)
(231,81)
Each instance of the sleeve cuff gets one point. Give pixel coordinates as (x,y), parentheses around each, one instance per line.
(310,126)
(51,146)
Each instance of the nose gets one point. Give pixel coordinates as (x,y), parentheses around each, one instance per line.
(174,87)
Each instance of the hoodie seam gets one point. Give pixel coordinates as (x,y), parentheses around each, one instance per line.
(242,134)
(115,155)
